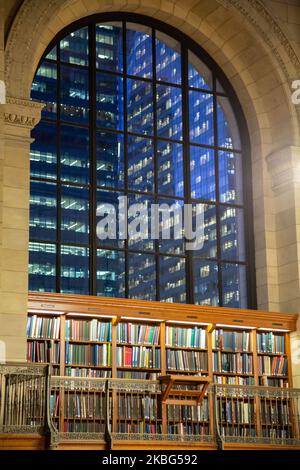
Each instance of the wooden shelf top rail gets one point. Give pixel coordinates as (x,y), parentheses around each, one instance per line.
(161,311)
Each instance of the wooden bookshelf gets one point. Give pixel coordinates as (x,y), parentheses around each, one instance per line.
(221,344)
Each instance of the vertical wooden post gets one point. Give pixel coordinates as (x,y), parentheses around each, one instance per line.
(258,426)
(209,333)
(62,372)
(114,373)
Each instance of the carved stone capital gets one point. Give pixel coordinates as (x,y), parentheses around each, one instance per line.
(23,113)
(19,118)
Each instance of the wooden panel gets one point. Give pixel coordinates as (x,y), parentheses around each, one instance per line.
(161,310)
(22,442)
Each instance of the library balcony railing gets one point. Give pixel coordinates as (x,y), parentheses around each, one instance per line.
(257,415)
(111,411)
(23,398)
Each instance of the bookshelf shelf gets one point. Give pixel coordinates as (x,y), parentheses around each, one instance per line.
(233,374)
(148,369)
(228,351)
(76,341)
(271,354)
(187,348)
(87,366)
(138,345)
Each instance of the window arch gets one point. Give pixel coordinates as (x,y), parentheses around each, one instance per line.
(133,108)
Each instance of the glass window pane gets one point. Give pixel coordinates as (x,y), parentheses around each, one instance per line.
(169,112)
(139,50)
(43,197)
(109,47)
(110,273)
(44,88)
(199,74)
(228,133)
(171,233)
(74,95)
(170,169)
(52,55)
(203,183)
(168,59)
(110,101)
(201,118)
(139,223)
(204,242)
(74,270)
(172,279)
(139,107)
(75,154)
(108,218)
(205,282)
(42,267)
(142,276)
(230,177)
(232,234)
(43,157)
(234,285)
(140,164)
(75,215)
(110,159)
(74,48)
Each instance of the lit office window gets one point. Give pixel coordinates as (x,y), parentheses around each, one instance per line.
(134,111)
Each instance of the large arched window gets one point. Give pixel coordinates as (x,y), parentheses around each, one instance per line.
(132,109)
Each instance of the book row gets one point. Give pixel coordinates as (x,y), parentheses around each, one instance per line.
(232,340)
(134,407)
(236,412)
(92,330)
(187,360)
(272,365)
(189,413)
(186,337)
(132,333)
(88,354)
(88,373)
(43,328)
(270,343)
(43,352)
(225,380)
(233,363)
(138,356)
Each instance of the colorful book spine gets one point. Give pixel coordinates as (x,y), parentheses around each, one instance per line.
(43,352)
(88,330)
(238,363)
(43,328)
(186,337)
(272,365)
(131,333)
(232,340)
(270,343)
(187,360)
(138,357)
(98,355)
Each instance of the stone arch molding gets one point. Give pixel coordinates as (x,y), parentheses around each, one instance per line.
(38,21)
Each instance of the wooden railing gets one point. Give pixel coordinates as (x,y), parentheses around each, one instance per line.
(114,410)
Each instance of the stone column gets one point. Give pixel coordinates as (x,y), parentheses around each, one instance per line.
(18,118)
(284,167)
